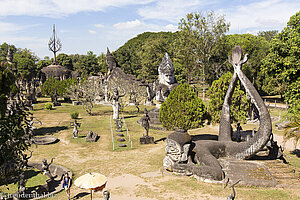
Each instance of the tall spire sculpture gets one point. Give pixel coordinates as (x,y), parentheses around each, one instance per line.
(54,44)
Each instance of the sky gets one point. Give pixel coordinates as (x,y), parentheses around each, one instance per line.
(94,25)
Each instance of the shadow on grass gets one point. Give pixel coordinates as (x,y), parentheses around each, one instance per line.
(49,130)
(204,137)
(296,152)
(159,140)
(127,117)
(80,195)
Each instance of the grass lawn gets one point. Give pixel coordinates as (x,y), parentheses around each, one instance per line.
(132,173)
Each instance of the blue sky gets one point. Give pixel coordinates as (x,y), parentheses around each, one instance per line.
(93,25)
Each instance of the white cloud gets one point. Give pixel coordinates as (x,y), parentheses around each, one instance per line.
(173,10)
(129,24)
(98,25)
(92,32)
(60,8)
(170,27)
(260,15)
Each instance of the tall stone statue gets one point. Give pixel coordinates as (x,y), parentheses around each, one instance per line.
(115,102)
(54,45)
(166,79)
(46,167)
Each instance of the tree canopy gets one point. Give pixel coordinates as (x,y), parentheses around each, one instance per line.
(182,109)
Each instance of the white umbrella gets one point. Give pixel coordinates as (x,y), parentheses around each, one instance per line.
(91,181)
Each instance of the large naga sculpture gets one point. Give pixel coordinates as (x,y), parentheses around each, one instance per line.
(201,156)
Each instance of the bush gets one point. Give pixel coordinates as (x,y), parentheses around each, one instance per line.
(74,115)
(48,106)
(239,103)
(182,109)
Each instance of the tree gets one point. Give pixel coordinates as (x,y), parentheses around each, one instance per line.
(54,87)
(150,55)
(281,65)
(205,31)
(25,60)
(65,60)
(217,92)
(257,48)
(182,109)
(129,56)
(268,35)
(13,136)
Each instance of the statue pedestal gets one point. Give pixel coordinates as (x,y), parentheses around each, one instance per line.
(146,140)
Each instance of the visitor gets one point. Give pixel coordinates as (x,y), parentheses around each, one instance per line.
(67,183)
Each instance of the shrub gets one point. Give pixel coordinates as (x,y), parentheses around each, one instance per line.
(74,115)
(48,106)
(239,103)
(182,109)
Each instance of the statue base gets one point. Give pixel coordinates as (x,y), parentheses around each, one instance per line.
(146,140)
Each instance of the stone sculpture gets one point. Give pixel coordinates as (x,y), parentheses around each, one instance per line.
(106,195)
(115,102)
(75,129)
(25,159)
(145,123)
(119,125)
(166,79)
(22,183)
(91,137)
(45,167)
(30,124)
(204,152)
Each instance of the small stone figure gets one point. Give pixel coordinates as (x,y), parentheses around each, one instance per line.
(30,124)
(118,125)
(46,167)
(25,159)
(91,137)
(275,151)
(238,132)
(75,129)
(22,183)
(232,196)
(106,195)
(145,122)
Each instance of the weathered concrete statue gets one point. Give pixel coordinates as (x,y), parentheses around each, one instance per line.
(75,128)
(25,159)
(115,103)
(145,122)
(206,152)
(46,167)
(166,79)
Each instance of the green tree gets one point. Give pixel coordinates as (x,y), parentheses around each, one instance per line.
(201,32)
(65,60)
(25,60)
(281,65)
(182,109)
(257,48)
(268,35)
(4,50)
(151,55)
(13,137)
(239,104)
(129,57)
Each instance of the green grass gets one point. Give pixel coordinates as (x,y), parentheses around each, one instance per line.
(33,178)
